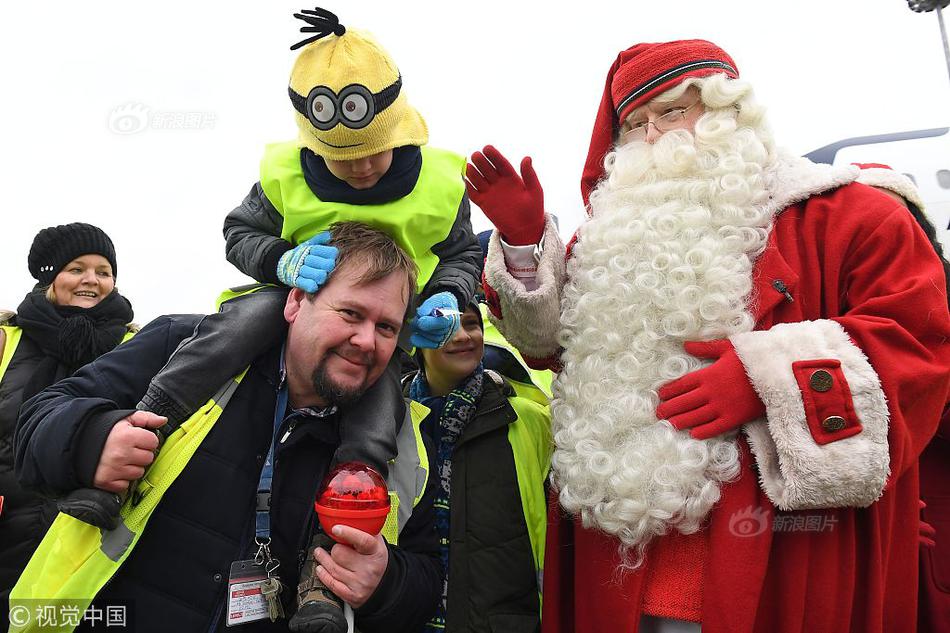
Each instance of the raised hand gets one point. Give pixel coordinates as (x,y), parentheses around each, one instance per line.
(513,203)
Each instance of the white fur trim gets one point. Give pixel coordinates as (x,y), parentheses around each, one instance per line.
(530,319)
(892,181)
(796,472)
(791,179)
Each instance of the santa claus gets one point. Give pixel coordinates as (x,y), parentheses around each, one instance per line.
(752,352)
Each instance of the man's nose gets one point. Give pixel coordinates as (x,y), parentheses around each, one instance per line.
(653,132)
(364,336)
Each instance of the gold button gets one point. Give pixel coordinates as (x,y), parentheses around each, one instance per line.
(833,423)
(821,380)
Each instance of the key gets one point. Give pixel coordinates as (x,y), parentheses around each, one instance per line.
(271,589)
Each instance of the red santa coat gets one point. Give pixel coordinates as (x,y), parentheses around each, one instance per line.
(855,257)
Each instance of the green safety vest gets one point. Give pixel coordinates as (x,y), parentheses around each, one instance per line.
(12,340)
(531,446)
(540,379)
(75,560)
(417,221)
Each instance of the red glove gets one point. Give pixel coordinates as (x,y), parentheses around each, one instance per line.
(712,400)
(514,204)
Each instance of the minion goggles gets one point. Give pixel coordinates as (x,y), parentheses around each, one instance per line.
(355,106)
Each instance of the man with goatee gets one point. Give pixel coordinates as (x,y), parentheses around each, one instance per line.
(752,352)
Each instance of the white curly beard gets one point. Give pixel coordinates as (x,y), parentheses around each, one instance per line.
(666,258)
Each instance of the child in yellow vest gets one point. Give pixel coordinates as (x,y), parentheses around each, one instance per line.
(359,157)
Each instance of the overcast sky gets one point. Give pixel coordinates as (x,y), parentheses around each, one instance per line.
(205,86)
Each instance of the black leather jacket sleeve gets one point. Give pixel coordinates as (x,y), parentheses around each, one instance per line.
(460,260)
(77,413)
(252,237)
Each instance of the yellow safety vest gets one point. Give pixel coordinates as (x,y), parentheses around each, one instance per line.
(531,445)
(540,379)
(75,560)
(13,334)
(12,337)
(417,221)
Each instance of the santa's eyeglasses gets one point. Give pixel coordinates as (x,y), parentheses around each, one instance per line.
(666,122)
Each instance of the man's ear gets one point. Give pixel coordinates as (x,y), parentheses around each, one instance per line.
(292,307)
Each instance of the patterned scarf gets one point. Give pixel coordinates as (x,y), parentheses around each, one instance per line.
(459,408)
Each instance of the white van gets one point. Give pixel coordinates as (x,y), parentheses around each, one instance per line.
(922,155)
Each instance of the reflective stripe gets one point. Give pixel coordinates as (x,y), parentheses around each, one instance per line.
(417,221)
(408,474)
(116,542)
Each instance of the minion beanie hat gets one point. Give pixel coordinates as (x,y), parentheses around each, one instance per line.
(347,93)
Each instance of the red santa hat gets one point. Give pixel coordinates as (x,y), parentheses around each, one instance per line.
(639,74)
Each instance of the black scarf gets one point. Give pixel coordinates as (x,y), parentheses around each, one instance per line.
(398,182)
(70,336)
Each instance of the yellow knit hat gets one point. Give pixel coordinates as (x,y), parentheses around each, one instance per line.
(347,93)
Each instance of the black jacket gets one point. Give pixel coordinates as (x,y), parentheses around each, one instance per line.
(254,246)
(26,515)
(177,575)
(493,584)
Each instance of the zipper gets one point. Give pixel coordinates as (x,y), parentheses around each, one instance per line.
(464,439)
(290,429)
(780,286)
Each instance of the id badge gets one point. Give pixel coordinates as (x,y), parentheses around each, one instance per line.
(245,599)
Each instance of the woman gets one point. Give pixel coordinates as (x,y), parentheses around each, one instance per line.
(72,316)
(493,455)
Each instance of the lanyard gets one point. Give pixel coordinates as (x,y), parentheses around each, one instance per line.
(262,521)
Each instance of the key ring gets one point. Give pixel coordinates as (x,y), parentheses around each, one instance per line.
(263,550)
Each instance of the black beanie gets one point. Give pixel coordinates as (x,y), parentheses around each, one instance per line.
(56,246)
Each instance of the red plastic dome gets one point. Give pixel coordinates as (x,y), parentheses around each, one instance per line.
(353,494)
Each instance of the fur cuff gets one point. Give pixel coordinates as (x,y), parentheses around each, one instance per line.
(795,470)
(530,319)
(892,181)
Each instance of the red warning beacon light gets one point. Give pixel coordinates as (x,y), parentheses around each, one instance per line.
(353,494)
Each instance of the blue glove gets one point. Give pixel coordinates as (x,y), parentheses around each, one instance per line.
(437,320)
(307,265)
